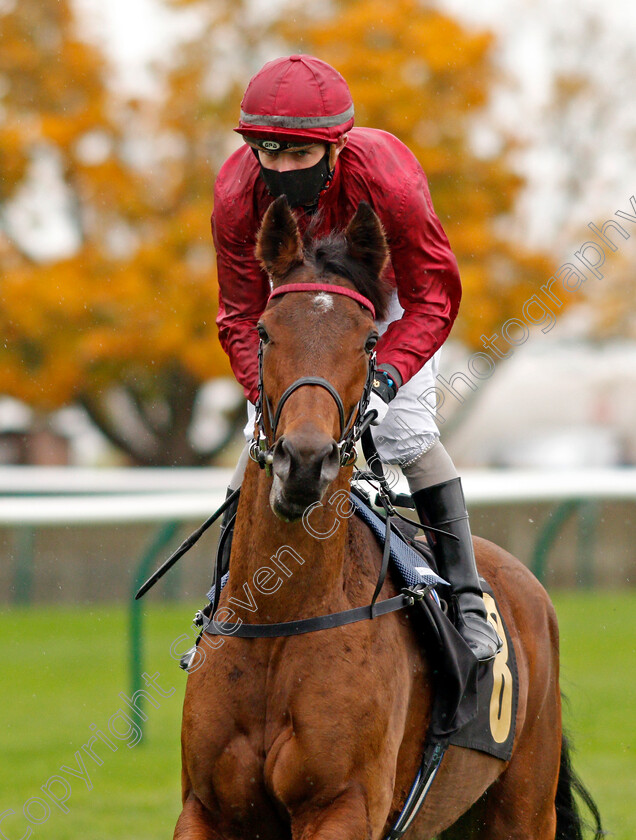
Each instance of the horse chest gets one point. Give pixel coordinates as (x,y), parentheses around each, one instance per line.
(285,723)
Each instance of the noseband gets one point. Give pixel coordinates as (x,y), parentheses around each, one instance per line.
(261,450)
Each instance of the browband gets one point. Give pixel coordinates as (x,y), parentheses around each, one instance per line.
(324,287)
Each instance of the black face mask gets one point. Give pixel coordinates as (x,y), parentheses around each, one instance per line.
(301,186)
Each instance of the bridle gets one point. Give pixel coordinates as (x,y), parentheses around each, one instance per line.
(262,451)
(351,429)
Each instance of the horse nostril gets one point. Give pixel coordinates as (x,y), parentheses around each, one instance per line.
(305,464)
(330,463)
(283,455)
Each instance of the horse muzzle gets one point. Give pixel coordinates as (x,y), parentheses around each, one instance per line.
(303,469)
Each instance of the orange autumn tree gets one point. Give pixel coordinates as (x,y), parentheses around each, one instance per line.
(417,73)
(123,323)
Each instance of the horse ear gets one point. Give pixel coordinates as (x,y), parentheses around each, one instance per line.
(366,241)
(278,244)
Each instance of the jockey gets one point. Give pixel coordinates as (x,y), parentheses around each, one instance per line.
(297,123)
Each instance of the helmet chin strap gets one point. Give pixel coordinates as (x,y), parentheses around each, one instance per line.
(333,156)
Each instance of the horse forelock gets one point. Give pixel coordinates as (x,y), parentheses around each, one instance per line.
(329,256)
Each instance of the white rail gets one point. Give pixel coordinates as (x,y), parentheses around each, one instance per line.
(57,497)
(15,481)
(497,487)
(97,510)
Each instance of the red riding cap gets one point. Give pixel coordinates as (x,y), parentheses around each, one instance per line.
(297,96)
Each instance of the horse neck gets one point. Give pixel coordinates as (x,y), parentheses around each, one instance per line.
(284,569)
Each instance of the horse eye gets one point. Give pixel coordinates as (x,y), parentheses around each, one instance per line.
(262,333)
(372,340)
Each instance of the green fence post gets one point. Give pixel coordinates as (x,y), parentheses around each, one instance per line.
(588,521)
(550,531)
(135,655)
(24,542)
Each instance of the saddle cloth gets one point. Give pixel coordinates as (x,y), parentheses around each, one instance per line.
(475,704)
(408,563)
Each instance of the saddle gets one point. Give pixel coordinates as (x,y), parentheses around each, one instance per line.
(475,705)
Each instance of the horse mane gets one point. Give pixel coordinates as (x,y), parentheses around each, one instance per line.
(330,255)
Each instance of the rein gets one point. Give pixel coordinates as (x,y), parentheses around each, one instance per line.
(408,597)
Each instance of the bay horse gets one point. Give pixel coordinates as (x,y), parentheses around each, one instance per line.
(319,736)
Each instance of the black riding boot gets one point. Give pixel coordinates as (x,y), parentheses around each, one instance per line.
(443,506)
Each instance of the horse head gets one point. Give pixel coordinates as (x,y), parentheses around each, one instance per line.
(316,334)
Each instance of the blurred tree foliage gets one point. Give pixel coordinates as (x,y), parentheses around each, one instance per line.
(417,73)
(124,325)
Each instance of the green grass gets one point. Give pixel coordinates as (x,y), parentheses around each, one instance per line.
(598,677)
(62,670)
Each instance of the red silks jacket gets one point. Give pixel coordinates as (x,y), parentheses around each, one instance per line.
(375,167)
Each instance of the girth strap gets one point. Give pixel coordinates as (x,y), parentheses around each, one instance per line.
(321,622)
